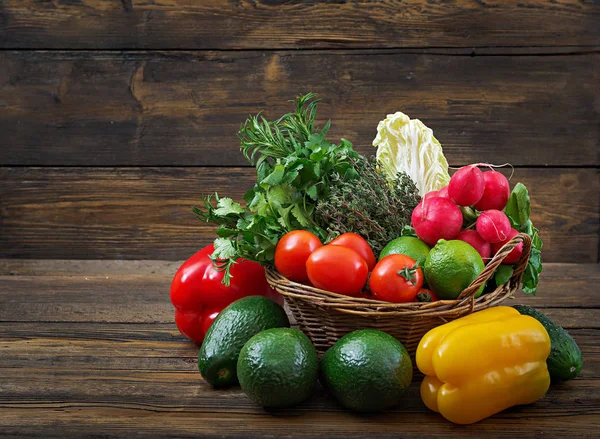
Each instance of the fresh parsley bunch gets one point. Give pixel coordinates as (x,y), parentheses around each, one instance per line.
(294,167)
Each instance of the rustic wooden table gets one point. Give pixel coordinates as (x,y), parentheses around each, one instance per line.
(89,348)
(115,116)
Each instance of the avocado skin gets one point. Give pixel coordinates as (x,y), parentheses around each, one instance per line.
(367,370)
(233,327)
(565,360)
(278,368)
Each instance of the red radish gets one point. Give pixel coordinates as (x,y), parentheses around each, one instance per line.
(430,194)
(443,192)
(466,186)
(436,218)
(493,226)
(496,192)
(515,254)
(471,237)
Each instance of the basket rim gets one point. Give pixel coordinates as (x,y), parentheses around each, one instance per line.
(465,303)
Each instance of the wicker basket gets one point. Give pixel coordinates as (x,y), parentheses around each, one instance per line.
(325,316)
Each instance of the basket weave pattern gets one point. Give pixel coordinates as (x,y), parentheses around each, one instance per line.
(325,316)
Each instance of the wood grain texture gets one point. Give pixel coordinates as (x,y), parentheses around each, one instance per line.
(550,417)
(132,213)
(72,298)
(126,371)
(89,267)
(180,108)
(155,388)
(245,24)
(160,347)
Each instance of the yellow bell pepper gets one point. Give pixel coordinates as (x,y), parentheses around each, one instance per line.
(483,363)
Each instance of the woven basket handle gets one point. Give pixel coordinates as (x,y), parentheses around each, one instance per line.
(490,268)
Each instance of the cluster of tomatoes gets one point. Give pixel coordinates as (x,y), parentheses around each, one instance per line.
(346,265)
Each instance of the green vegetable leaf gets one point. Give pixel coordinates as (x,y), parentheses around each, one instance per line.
(312,192)
(408,231)
(537,241)
(275,177)
(290,176)
(503,274)
(534,233)
(280,195)
(518,207)
(225,232)
(535,259)
(300,215)
(263,170)
(530,280)
(226,206)
(284,217)
(249,196)
(518,210)
(224,249)
(532,272)
(295,165)
(259,204)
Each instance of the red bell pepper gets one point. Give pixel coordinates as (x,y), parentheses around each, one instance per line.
(198,294)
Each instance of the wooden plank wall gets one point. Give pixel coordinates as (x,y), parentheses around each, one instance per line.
(115,116)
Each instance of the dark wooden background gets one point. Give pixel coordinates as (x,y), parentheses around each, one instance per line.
(115,116)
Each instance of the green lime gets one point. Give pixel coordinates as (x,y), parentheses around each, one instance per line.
(409,246)
(451,266)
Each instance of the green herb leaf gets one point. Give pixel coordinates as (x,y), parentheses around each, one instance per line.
(367,205)
(408,231)
(469,216)
(280,195)
(294,167)
(284,217)
(530,280)
(312,192)
(226,206)
(519,206)
(537,241)
(225,232)
(224,249)
(263,170)
(503,274)
(532,272)
(259,204)
(275,177)
(300,215)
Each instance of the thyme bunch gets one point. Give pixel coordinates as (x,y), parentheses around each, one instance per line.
(368,205)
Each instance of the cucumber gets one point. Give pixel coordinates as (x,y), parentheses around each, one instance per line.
(564,362)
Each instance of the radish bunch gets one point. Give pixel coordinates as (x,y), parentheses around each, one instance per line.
(439,215)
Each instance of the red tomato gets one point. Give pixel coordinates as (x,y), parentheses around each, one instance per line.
(359,245)
(292,251)
(337,269)
(396,278)
(425,295)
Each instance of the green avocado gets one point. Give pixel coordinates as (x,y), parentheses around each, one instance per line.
(232,328)
(565,361)
(367,370)
(278,368)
